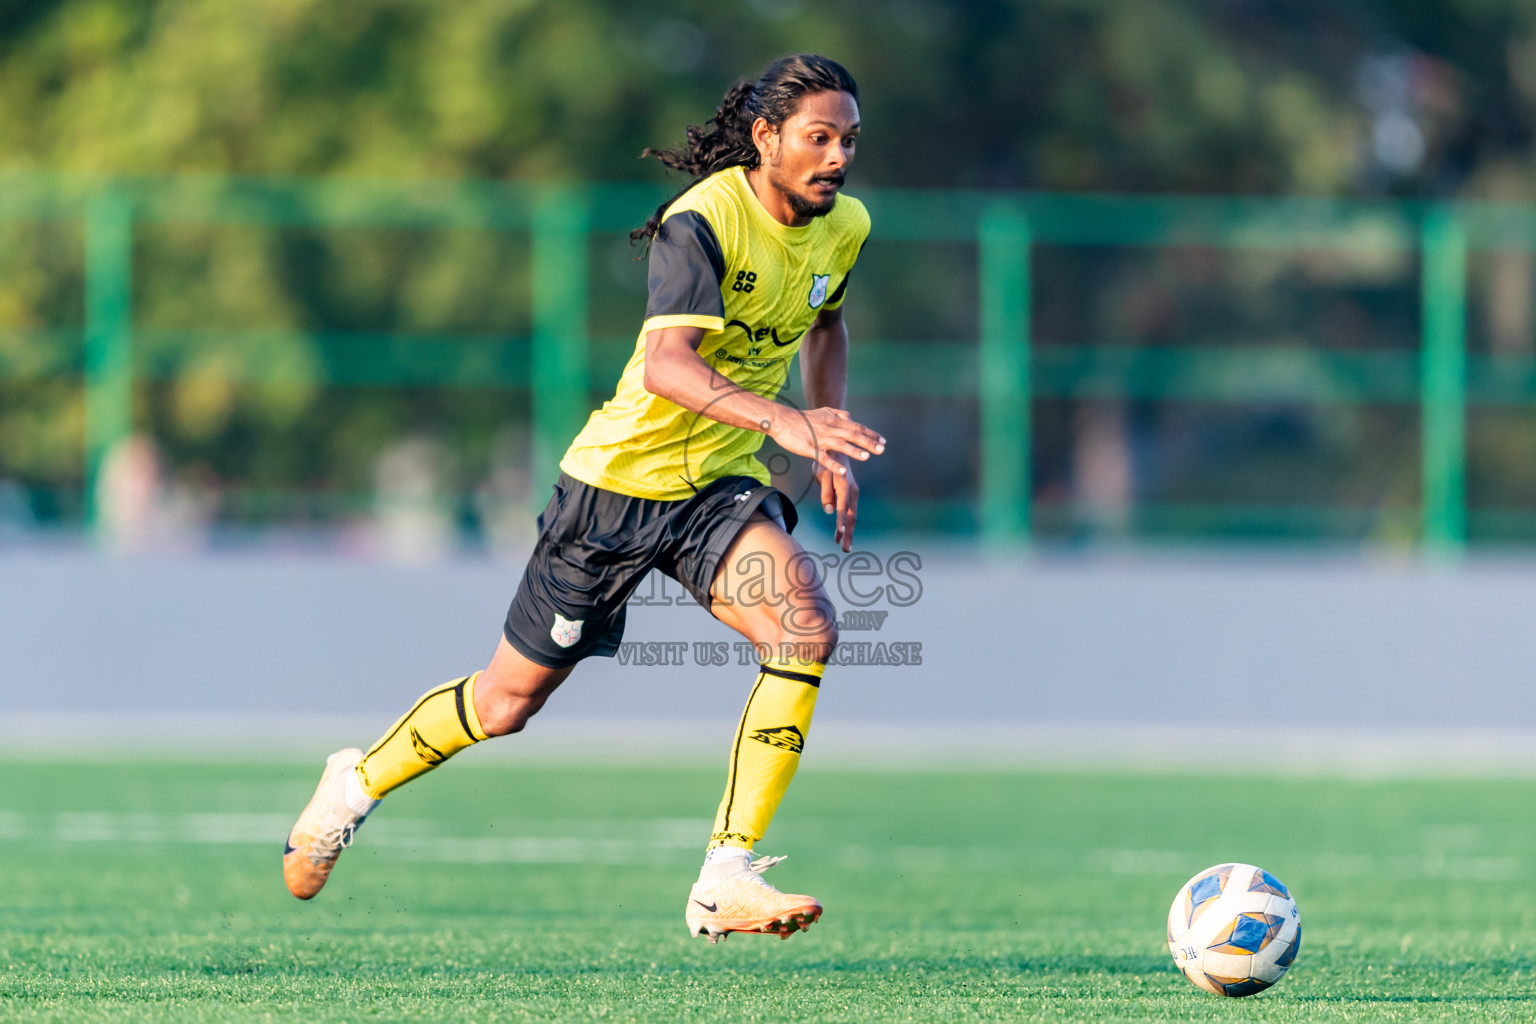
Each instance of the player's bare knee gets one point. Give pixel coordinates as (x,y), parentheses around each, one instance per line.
(826,623)
(826,637)
(812,636)
(508,726)
(508,714)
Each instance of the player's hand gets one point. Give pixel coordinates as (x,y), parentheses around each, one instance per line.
(840,494)
(819,434)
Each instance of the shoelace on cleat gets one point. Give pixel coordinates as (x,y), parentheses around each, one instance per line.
(334,840)
(754,871)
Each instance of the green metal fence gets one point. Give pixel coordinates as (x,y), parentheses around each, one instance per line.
(1004,372)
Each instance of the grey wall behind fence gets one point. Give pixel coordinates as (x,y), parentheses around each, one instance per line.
(1176,640)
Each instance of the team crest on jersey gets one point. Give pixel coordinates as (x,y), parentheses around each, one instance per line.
(565,632)
(819,284)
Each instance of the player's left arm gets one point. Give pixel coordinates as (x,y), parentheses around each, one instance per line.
(824,373)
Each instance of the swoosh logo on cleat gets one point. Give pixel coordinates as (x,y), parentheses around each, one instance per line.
(713,908)
(287,848)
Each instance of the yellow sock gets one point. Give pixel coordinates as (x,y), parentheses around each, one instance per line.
(767,749)
(442,723)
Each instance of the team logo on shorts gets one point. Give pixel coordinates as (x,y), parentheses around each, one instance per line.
(819,289)
(565,632)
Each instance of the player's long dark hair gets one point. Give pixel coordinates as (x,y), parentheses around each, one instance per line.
(725,140)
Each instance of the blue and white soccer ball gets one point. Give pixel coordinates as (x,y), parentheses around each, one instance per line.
(1234,929)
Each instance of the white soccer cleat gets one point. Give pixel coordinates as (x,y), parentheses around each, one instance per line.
(324,829)
(743,901)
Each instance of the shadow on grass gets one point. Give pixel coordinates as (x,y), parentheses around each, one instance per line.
(1428,1000)
(1074,964)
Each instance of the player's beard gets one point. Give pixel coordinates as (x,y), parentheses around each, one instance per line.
(803,206)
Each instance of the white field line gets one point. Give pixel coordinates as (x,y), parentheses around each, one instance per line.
(1429,864)
(412,839)
(658,840)
(665,840)
(836,744)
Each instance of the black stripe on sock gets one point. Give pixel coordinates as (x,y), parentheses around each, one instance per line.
(418,738)
(799,677)
(458,698)
(407,717)
(730,797)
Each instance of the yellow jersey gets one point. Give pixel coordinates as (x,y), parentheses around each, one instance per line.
(719,261)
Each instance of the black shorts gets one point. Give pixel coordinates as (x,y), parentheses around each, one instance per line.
(596,546)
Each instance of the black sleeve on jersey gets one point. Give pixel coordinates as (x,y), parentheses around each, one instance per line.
(842,286)
(686,268)
(837,296)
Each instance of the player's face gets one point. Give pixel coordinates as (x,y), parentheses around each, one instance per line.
(809,154)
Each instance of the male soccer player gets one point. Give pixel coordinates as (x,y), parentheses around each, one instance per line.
(748,266)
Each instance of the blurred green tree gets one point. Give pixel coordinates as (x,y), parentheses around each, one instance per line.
(1157,95)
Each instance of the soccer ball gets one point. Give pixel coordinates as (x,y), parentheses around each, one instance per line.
(1234,929)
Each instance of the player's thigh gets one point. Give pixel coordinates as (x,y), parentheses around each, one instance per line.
(512,688)
(769,589)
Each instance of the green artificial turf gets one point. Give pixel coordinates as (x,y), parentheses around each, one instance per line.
(490,892)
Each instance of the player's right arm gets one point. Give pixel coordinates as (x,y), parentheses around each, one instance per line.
(675,371)
(687,267)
